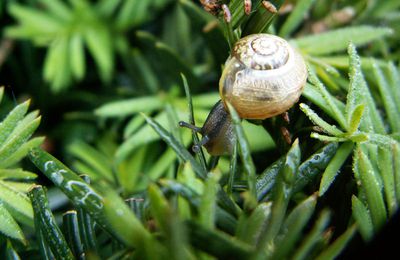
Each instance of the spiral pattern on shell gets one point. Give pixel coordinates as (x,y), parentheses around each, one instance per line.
(263,77)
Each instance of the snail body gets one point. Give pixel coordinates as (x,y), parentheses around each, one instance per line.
(263,77)
(218,128)
(217,131)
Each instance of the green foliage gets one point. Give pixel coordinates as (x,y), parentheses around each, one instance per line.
(338,40)
(68,29)
(46,226)
(286,190)
(15,131)
(295,18)
(365,128)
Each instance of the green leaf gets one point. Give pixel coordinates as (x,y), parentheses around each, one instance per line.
(87,227)
(338,245)
(99,43)
(382,9)
(94,159)
(146,76)
(8,226)
(58,8)
(238,15)
(130,106)
(192,121)
(363,218)
(77,57)
(182,37)
(394,77)
(72,234)
(326,127)
(160,208)
(31,116)
(178,148)
(18,139)
(338,40)
(355,119)
(129,172)
(282,193)
(358,137)
(143,136)
(16,174)
(359,93)
(373,191)
(314,237)
(266,180)
(56,68)
(294,224)
(258,138)
(22,151)
(106,7)
(131,12)
(217,243)
(11,121)
(261,20)
(53,56)
(168,223)
(290,167)
(162,164)
(107,208)
(384,141)
(396,166)
(334,166)
(17,203)
(35,21)
(245,155)
(249,227)
(342,62)
(387,98)
(157,53)
(314,165)
(313,94)
(43,247)
(386,168)
(296,17)
(189,187)
(329,99)
(326,138)
(133,125)
(48,225)
(208,200)
(1,93)
(355,95)
(10,252)
(20,186)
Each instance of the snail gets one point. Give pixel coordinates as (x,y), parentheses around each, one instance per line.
(263,77)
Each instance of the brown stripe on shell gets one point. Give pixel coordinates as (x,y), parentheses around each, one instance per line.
(261,52)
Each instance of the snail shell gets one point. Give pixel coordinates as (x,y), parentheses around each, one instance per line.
(263,77)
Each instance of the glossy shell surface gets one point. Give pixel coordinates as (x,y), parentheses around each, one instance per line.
(263,77)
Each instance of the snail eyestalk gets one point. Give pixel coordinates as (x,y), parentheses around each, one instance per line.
(217,131)
(190,126)
(203,141)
